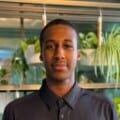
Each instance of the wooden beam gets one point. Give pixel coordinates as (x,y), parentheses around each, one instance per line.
(37,87)
(39,9)
(75,18)
(69,3)
(56,10)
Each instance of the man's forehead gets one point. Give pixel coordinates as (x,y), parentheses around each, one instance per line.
(59,26)
(53,40)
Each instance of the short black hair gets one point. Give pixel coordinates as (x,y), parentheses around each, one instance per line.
(52,23)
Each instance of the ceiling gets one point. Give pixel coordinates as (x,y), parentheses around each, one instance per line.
(21,14)
(11,11)
(74,10)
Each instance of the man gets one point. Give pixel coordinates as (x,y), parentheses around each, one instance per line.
(60,98)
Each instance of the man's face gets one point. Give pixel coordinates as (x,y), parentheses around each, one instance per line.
(59,52)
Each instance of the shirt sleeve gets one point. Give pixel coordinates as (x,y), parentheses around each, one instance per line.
(8,113)
(110,112)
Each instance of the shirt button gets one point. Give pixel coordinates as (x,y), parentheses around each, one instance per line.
(61,116)
(60,103)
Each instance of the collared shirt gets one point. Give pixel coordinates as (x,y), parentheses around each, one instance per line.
(78,104)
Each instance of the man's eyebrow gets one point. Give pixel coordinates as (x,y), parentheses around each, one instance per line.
(49,41)
(53,41)
(68,40)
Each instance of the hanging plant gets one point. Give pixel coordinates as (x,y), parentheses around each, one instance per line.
(31,41)
(88,40)
(31,48)
(107,56)
(3,73)
(87,44)
(19,67)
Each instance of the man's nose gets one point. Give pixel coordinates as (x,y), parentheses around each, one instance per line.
(59,53)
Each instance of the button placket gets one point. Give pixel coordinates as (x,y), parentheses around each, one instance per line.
(60,107)
(61,115)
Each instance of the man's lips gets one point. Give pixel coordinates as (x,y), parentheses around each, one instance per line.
(59,67)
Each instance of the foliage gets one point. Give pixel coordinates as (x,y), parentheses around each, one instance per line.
(108,54)
(35,74)
(18,61)
(31,41)
(88,40)
(3,82)
(116,101)
(19,67)
(3,73)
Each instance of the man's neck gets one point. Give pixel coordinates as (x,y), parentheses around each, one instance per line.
(60,88)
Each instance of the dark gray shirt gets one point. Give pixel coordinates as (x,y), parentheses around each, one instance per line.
(78,104)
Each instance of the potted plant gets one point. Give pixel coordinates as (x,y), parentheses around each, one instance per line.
(31,49)
(87,44)
(107,56)
(3,73)
(87,40)
(19,67)
(24,70)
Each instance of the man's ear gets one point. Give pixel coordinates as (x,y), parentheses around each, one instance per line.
(78,55)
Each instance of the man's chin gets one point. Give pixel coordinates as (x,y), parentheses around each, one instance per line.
(61,79)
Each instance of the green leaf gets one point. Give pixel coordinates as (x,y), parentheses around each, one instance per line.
(24,45)
(3,72)
(37,46)
(4,82)
(108,54)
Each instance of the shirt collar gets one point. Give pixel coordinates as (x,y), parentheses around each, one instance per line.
(51,99)
(72,96)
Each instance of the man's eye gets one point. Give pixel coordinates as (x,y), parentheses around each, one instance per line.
(50,46)
(67,46)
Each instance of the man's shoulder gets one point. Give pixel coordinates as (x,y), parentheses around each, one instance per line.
(92,96)
(25,100)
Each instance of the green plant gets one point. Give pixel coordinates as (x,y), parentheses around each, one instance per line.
(31,41)
(107,56)
(87,40)
(116,101)
(3,73)
(19,62)
(19,67)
